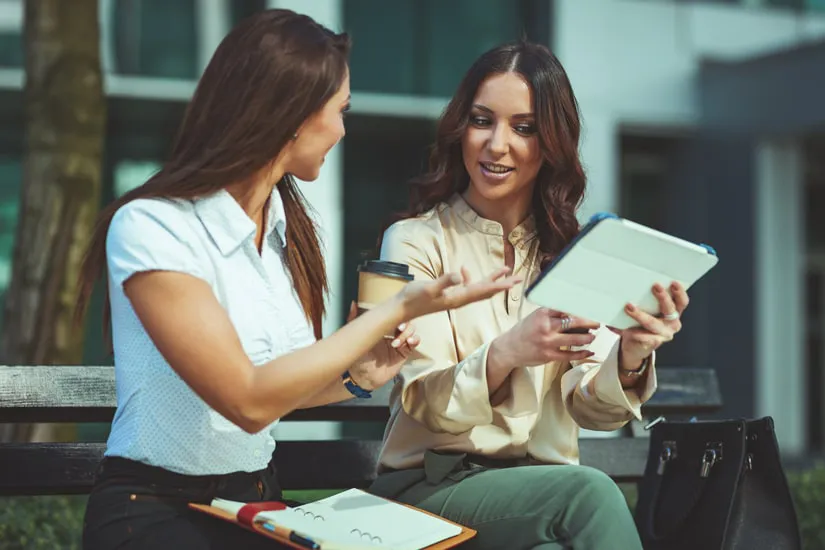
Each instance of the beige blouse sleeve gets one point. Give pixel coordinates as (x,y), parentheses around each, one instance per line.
(593,394)
(438,390)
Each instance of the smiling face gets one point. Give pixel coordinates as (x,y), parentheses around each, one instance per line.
(500,146)
(317,135)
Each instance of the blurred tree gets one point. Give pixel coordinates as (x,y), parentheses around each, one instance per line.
(65,124)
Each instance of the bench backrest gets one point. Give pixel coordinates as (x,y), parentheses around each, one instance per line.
(87,394)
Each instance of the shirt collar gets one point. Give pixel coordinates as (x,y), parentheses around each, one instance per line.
(524,231)
(229,226)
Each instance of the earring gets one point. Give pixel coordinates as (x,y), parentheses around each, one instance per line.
(295,136)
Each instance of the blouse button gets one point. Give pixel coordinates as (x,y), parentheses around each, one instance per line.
(515,296)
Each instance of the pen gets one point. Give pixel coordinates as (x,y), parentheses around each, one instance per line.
(291,535)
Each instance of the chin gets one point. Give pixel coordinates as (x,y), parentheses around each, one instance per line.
(307,175)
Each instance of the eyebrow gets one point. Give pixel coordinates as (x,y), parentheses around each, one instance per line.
(490,111)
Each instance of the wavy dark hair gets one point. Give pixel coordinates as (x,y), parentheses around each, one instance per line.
(560,183)
(267,76)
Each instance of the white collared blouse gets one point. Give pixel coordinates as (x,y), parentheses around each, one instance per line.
(159,420)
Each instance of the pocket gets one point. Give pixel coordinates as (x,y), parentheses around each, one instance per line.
(106,521)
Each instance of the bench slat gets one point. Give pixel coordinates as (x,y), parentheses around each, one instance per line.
(87,394)
(68,468)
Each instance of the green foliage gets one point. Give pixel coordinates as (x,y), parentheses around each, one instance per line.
(41,523)
(808,488)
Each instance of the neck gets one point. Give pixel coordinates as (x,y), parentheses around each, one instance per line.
(509,212)
(252,195)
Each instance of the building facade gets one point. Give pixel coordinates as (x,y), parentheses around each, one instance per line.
(700,118)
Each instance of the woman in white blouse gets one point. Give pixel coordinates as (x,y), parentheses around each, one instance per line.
(216,287)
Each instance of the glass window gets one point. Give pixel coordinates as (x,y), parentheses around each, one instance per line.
(155,38)
(11,33)
(423,47)
(241,9)
(10,176)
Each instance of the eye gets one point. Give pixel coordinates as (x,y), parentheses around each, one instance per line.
(345,110)
(479,121)
(525,129)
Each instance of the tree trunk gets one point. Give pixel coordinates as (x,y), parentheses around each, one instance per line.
(65,127)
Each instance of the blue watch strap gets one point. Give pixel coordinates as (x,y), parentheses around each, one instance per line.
(354,388)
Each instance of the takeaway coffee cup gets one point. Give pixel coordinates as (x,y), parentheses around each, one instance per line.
(379,280)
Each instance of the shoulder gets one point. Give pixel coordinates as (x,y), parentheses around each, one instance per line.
(172,215)
(423,228)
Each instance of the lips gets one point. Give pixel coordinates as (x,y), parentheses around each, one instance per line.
(494,170)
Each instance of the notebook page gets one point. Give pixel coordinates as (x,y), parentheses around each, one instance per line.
(327,535)
(379,521)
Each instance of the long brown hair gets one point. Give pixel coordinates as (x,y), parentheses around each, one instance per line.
(268,75)
(560,183)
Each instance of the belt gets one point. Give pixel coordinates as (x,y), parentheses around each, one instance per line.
(112,468)
(496,463)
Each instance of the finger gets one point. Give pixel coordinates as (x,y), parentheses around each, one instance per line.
(579,323)
(480,291)
(615,330)
(465,275)
(444,282)
(571,340)
(680,297)
(353,312)
(405,334)
(498,274)
(646,320)
(666,305)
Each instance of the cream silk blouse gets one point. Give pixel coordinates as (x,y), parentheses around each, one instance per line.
(440,399)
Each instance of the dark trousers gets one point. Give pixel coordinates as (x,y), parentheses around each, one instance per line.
(137,506)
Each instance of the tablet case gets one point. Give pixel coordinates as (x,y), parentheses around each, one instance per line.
(612,262)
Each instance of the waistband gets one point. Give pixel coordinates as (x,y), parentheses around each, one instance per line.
(114,469)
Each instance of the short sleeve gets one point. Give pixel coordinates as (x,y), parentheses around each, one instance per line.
(151,235)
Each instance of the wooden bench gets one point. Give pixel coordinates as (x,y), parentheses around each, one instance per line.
(87,394)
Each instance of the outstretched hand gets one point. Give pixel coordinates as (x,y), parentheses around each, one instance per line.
(452,291)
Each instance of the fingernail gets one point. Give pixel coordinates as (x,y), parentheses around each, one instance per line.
(658,288)
(455,278)
(402,326)
(396,343)
(630,307)
(674,286)
(411,340)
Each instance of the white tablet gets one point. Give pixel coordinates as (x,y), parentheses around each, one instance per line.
(612,262)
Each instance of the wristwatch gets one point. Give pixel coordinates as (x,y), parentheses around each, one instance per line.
(354,388)
(638,372)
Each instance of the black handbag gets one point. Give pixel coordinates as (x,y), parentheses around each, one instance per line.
(712,485)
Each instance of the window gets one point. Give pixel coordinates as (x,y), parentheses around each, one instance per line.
(11,33)
(155,38)
(423,47)
(10,175)
(241,9)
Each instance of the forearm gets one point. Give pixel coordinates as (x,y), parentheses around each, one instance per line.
(334,392)
(306,376)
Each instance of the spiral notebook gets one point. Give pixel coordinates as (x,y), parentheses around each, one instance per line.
(353,519)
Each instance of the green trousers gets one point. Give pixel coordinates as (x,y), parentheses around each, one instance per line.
(547,507)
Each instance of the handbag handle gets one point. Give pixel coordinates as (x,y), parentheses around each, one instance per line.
(708,460)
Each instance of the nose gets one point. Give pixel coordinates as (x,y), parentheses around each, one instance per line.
(499,139)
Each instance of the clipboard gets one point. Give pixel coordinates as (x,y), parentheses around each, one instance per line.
(614,261)
(465,534)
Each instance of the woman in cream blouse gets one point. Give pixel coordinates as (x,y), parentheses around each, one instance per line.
(486,414)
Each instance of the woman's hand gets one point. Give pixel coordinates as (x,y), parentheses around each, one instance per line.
(639,342)
(451,291)
(540,338)
(383,362)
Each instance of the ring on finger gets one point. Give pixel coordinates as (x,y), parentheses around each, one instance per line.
(671,316)
(565,323)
